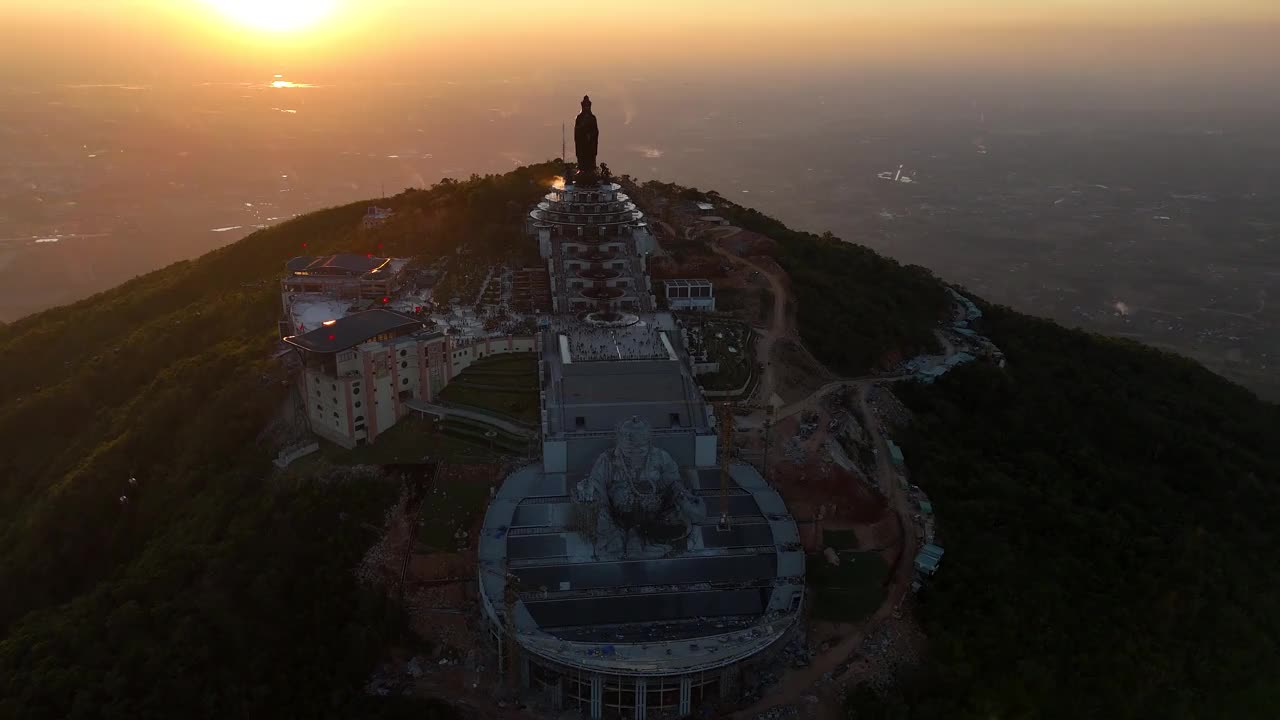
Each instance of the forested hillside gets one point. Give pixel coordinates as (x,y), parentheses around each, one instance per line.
(1107,509)
(1108,512)
(211,591)
(857,310)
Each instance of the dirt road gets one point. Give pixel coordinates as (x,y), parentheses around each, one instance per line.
(777,322)
(797,682)
(801,681)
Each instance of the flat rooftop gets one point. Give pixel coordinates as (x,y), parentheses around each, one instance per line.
(688,282)
(595,377)
(344,264)
(352,330)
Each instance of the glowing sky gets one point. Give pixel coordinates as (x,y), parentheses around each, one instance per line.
(175,35)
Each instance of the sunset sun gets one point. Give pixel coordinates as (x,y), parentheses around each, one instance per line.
(276,15)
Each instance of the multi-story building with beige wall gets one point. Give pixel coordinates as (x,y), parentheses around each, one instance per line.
(361,372)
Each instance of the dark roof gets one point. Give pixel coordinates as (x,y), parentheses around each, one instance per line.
(344,263)
(353,330)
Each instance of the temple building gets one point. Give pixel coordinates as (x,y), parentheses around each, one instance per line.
(345,276)
(364,372)
(628,573)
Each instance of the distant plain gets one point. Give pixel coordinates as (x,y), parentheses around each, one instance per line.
(1138,218)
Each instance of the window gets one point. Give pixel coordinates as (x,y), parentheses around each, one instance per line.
(360,427)
(335,413)
(320,408)
(580,422)
(355,390)
(335,388)
(675,419)
(357,403)
(402,352)
(404,381)
(359,418)
(404,363)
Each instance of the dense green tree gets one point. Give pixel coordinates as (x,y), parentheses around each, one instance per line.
(205,587)
(1108,513)
(1107,509)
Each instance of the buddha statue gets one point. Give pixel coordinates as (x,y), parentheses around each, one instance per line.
(637,495)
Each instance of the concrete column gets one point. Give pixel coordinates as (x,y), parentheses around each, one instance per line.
(370,389)
(448,360)
(597,697)
(686,693)
(524,672)
(351,421)
(557,694)
(424,375)
(394,362)
(641,700)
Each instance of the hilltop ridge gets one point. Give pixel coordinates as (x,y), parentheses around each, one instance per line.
(1107,506)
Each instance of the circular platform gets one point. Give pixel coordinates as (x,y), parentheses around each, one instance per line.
(603,293)
(610,319)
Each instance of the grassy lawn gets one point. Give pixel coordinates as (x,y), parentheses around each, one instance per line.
(850,592)
(840,539)
(409,441)
(504,384)
(522,406)
(457,502)
(510,363)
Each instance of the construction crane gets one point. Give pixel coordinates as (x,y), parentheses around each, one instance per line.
(726,452)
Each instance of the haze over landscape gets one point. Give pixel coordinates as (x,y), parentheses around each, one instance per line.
(1110,168)
(390,359)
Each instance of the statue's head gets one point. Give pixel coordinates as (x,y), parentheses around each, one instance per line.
(632,436)
(586,103)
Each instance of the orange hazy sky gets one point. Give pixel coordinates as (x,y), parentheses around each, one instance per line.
(184,37)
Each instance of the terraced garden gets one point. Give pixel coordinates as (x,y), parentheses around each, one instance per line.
(505,386)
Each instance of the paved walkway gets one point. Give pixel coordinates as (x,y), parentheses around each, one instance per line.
(479,416)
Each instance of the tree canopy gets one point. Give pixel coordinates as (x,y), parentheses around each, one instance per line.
(1108,509)
(1108,514)
(857,310)
(153,566)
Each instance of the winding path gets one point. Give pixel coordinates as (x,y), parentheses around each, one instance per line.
(777,323)
(797,682)
(523,431)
